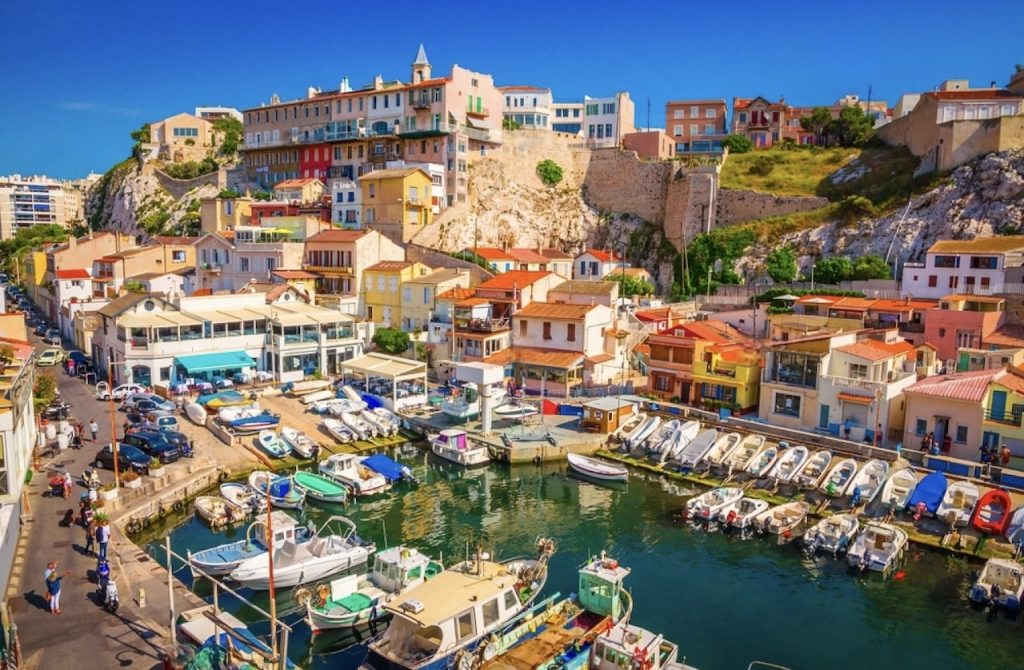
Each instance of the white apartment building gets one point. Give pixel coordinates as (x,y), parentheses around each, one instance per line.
(527,106)
(982,266)
(17,440)
(602,122)
(35,201)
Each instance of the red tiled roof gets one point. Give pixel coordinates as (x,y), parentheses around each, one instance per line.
(73,273)
(968,386)
(874,350)
(389,266)
(985,94)
(718,332)
(514,279)
(656,314)
(527,256)
(1006,336)
(602,255)
(295,183)
(853,397)
(458,293)
(338,235)
(492,254)
(556,254)
(548,310)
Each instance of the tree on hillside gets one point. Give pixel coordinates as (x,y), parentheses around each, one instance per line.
(738,144)
(230,130)
(853,127)
(871,267)
(142,134)
(817,122)
(833,269)
(549,172)
(781,265)
(391,341)
(13,249)
(630,285)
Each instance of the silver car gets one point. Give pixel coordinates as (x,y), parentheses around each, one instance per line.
(160,402)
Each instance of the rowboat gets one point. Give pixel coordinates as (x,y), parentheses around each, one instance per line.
(304,387)
(215,401)
(722,449)
(251,424)
(638,435)
(351,394)
(867,482)
(992,514)
(216,511)
(958,503)
(272,443)
(338,430)
(629,425)
(336,406)
(454,445)
(790,462)
(279,489)
(297,440)
(707,505)
(741,514)
(318,487)
(782,519)
(222,559)
(363,430)
(515,410)
(239,496)
(316,396)
(597,469)
(1000,582)
(693,453)
(683,436)
(196,412)
(833,533)
(346,469)
(762,462)
(838,477)
(898,488)
(878,547)
(741,455)
(814,470)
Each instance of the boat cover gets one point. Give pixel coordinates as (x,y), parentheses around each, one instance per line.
(388,467)
(225,395)
(372,401)
(280,487)
(929,491)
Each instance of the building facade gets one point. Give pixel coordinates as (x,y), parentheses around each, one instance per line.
(397,202)
(526,107)
(696,126)
(339,259)
(35,201)
(17,439)
(977,266)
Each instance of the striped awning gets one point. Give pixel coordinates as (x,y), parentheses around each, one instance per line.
(854,398)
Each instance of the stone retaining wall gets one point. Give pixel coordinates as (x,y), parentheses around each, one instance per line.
(740,206)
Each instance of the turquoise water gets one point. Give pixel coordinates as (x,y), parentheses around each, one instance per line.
(726,601)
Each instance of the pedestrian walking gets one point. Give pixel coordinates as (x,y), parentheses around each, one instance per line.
(53,583)
(68,484)
(71,368)
(50,567)
(1004,456)
(94,428)
(90,536)
(102,538)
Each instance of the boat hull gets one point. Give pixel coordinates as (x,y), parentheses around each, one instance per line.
(467,459)
(322,621)
(322,488)
(608,473)
(299,574)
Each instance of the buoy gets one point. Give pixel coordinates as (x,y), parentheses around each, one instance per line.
(899,576)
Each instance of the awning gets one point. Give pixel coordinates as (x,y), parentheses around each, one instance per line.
(222,360)
(854,398)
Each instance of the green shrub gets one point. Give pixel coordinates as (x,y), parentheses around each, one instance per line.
(738,144)
(854,207)
(549,172)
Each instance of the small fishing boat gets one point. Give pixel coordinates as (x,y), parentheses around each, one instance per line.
(222,559)
(838,477)
(722,449)
(387,467)
(782,519)
(693,453)
(240,497)
(383,428)
(741,455)
(1000,582)
(639,435)
(327,553)
(454,445)
(814,470)
(992,514)
(515,410)
(1015,529)
(654,441)
(215,401)
(338,430)
(363,430)
(279,489)
(833,533)
(216,511)
(196,413)
(762,462)
(316,396)
(685,434)
(305,387)
(252,424)
(706,506)
(598,469)
(958,504)
(272,443)
(928,493)
(297,440)
(229,414)
(878,547)
(741,514)
(424,633)
(898,488)
(318,487)
(630,425)
(790,462)
(389,417)
(356,600)
(629,647)
(338,406)
(346,469)
(351,394)
(866,484)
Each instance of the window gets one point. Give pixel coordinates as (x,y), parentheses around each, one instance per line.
(393,285)
(178,256)
(547,330)
(372,190)
(426,295)
(694,129)
(490,612)
(186,132)
(464,625)
(964,338)
(986,282)
(510,600)
(243,264)
(694,112)
(954,281)
(677,131)
(570,332)
(787,405)
(961,434)
(921,427)
(709,129)
(709,113)
(380,283)
(407,293)
(942,332)
(523,328)
(608,108)
(984,262)
(165,374)
(271,264)
(743,117)
(933,281)
(663,383)
(858,371)
(677,114)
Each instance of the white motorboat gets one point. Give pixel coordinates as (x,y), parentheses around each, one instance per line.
(694,451)
(363,430)
(814,470)
(216,511)
(316,396)
(791,460)
(280,490)
(1015,531)
(327,553)
(241,497)
(639,435)
(707,505)
(898,488)
(878,547)
(351,394)
(197,413)
(454,445)
(222,559)
(235,412)
(958,503)
(833,533)
(782,519)
(741,514)
(298,441)
(685,434)
(336,406)
(390,418)
(338,430)
(384,428)
(762,462)
(516,409)
(741,455)
(598,469)
(356,600)
(1000,582)
(306,387)
(722,449)
(654,441)
(630,425)
(346,469)
(272,443)
(868,481)
(838,478)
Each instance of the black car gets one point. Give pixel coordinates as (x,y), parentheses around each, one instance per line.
(128,457)
(153,444)
(42,328)
(137,413)
(180,440)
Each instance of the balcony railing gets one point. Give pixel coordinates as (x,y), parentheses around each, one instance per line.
(482,325)
(911,326)
(482,112)
(1004,417)
(342,135)
(421,102)
(328,269)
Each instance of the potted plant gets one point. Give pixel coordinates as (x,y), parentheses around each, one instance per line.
(101,519)
(131,480)
(156,468)
(108,493)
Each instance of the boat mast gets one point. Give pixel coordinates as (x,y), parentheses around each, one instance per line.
(270,565)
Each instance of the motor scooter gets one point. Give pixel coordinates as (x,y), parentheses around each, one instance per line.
(111,601)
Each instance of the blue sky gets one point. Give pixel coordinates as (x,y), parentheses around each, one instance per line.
(79,76)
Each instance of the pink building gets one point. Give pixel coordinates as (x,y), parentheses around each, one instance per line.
(962,321)
(654,144)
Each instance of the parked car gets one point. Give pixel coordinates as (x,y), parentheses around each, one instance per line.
(155,402)
(162,419)
(128,457)
(178,439)
(154,444)
(41,328)
(137,413)
(50,357)
(52,336)
(119,392)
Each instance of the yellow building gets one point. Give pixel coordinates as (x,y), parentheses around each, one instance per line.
(224,213)
(731,376)
(397,201)
(382,290)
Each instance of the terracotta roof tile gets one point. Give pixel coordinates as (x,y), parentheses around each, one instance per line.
(389,266)
(999,243)
(515,279)
(968,386)
(556,254)
(527,256)
(585,287)
(1006,336)
(295,183)
(855,397)
(73,273)
(338,235)
(457,293)
(985,94)
(602,255)
(492,254)
(874,350)
(551,358)
(294,274)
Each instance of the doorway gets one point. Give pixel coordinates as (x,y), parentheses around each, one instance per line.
(941,428)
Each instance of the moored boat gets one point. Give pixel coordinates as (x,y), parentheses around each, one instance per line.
(630,425)
(706,506)
(750,446)
(346,469)
(305,387)
(782,519)
(762,462)
(866,484)
(629,647)
(958,504)
(833,533)
(598,469)
(316,396)
(388,417)
(279,489)
(216,511)
(838,477)
(878,547)
(694,451)
(272,443)
(298,441)
(722,449)
(338,430)
(652,445)
(318,487)
(516,409)
(790,462)
(387,467)
(240,496)
(683,436)
(741,514)
(898,488)
(357,425)
(196,412)
(215,401)
(928,494)
(992,513)
(638,435)
(1015,529)
(222,559)
(252,424)
(337,406)
(454,445)
(1000,582)
(229,414)
(814,470)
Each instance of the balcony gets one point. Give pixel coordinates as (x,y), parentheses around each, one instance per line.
(345,135)
(1005,418)
(480,113)
(482,325)
(215,268)
(911,326)
(421,102)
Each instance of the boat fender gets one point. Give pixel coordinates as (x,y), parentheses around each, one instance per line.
(222,477)
(145,522)
(161,512)
(133,527)
(178,506)
(323,593)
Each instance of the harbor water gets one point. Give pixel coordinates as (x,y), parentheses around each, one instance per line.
(725,600)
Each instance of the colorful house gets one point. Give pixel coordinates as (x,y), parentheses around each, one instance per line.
(381,290)
(397,201)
